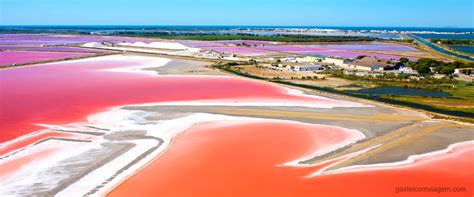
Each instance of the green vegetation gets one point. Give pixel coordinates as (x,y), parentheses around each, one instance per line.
(403,40)
(404,60)
(460,104)
(452,41)
(423,66)
(461,97)
(445,104)
(273,38)
(402,80)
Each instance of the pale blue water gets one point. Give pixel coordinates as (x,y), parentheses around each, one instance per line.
(448,36)
(465,49)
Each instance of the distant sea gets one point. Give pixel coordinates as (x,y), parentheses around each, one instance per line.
(177,27)
(380,32)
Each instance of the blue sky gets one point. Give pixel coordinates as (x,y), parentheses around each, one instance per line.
(399,13)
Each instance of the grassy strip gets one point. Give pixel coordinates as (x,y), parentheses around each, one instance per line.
(447,104)
(461,93)
(453,41)
(454,87)
(465,116)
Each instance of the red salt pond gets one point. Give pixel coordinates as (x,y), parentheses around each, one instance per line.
(216,159)
(68,92)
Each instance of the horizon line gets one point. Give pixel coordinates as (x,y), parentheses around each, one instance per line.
(163,25)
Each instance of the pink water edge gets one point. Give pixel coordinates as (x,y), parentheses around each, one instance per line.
(239,50)
(368,47)
(248,42)
(19,57)
(49,49)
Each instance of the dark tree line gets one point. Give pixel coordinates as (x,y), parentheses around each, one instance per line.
(423,66)
(453,41)
(240,36)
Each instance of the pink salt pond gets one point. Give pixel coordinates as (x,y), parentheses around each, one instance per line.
(20,57)
(70,91)
(49,49)
(338,50)
(239,50)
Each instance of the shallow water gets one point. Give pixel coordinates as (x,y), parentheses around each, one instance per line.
(401,91)
(465,49)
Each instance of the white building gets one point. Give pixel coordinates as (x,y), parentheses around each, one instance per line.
(335,61)
(307,67)
(465,71)
(349,64)
(280,67)
(440,76)
(407,70)
(290,60)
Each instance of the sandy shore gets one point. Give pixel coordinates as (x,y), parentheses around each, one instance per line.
(381,124)
(187,67)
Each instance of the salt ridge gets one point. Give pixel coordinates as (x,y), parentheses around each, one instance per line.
(113,120)
(411,160)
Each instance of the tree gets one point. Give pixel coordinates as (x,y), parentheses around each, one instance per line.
(361,57)
(254,62)
(404,60)
(423,69)
(446,70)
